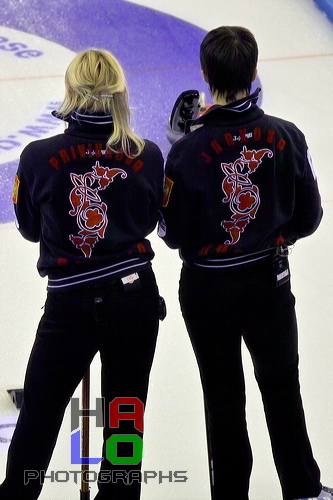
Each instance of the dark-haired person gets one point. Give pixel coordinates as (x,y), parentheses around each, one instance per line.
(89,196)
(239,190)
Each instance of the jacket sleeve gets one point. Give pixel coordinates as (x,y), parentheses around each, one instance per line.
(308,211)
(174,220)
(156,186)
(26,212)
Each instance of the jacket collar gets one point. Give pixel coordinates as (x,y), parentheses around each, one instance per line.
(231,111)
(87,124)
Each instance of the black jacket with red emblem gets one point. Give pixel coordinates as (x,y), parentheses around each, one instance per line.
(89,208)
(238,185)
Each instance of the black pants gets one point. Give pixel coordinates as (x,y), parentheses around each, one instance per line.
(219,310)
(123,327)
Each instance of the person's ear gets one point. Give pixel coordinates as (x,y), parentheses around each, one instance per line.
(204,76)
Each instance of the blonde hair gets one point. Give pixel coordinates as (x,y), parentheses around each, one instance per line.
(95,82)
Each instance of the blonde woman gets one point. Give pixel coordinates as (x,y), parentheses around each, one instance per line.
(90,197)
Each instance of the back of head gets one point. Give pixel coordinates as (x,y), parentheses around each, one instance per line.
(95,83)
(228,57)
(91,79)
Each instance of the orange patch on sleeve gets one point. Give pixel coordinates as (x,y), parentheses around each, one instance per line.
(15,189)
(168,183)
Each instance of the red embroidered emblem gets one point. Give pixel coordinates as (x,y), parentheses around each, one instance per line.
(87,206)
(243,196)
